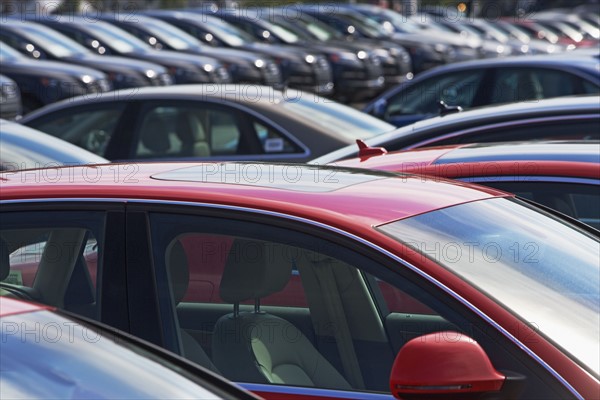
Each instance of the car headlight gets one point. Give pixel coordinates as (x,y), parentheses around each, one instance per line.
(86,79)
(310,59)
(151,74)
(208,68)
(259,63)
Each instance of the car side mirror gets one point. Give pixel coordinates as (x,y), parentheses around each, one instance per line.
(449,365)
(380,108)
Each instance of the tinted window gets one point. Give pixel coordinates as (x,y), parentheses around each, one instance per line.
(91,129)
(56,259)
(523,84)
(204,131)
(455,89)
(205,264)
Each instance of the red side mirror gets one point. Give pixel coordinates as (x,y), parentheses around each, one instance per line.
(444,364)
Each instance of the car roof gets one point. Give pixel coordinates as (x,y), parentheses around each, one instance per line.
(238,93)
(476,117)
(557,158)
(31,148)
(10,306)
(559,60)
(330,195)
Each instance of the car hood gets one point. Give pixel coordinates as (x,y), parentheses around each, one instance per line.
(279,50)
(223,53)
(174,57)
(116,62)
(43,68)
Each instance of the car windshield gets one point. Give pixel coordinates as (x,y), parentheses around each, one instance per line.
(399,21)
(541,268)
(335,117)
(228,33)
(173,36)
(367,25)
(73,360)
(55,43)
(283,33)
(319,30)
(122,41)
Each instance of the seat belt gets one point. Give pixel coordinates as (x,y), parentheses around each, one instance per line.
(343,339)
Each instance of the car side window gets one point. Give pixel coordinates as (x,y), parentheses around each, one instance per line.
(317,300)
(204,131)
(56,260)
(91,129)
(455,89)
(589,87)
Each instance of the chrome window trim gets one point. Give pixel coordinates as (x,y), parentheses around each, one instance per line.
(330,228)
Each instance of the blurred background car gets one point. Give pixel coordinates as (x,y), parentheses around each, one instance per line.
(43,82)
(25,148)
(10,98)
(243,66)
(572,118)
(47,353)
(483,82)
(356,75)
(425,51)
(208,122)
(40,42)
(107,39)
(562,175)
(395,60)
(301,69)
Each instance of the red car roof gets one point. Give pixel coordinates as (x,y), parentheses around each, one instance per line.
(332,194)
(10,306)
(571,159)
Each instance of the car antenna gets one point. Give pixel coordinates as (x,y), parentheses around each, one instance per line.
(445,109)
(365,151)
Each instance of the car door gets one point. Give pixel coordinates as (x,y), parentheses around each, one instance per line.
(335,295)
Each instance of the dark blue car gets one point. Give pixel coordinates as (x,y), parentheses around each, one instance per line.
(484,82)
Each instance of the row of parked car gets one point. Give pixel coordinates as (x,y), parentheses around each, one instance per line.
(179,238)
(347,52)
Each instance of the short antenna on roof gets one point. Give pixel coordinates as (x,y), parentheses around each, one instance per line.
(365,151)
(445,109)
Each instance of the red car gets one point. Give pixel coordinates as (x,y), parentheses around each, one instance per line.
(563,175)
(509,293)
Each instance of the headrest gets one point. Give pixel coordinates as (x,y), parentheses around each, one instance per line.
(254,269)
(155,135)
(178,270)
(4,260)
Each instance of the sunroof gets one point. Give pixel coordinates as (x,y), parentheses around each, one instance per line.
(294,177)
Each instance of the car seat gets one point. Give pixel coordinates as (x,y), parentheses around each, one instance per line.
(257,346)
(178,271)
